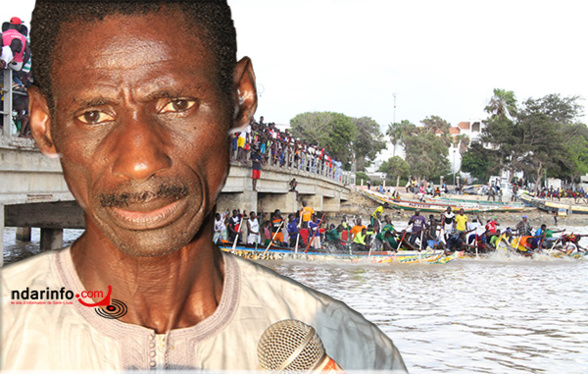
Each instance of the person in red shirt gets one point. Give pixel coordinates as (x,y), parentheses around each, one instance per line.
(491,225)
(13,32)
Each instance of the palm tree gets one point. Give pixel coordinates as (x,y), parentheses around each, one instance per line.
(503,103)
(398,132)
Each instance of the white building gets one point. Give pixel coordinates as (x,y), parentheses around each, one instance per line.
(473,130)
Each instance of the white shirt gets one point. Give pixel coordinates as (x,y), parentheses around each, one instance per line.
(70,336)
(449,218)
(480,230)
(254,226)
(7,54)
(219,225)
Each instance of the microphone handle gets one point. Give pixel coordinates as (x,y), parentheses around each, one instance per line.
(327,364)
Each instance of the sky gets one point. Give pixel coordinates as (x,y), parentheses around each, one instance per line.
(430,57)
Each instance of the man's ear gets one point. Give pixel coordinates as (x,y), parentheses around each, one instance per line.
(40,122)
(246,94)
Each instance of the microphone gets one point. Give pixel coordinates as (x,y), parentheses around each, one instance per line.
(292,345)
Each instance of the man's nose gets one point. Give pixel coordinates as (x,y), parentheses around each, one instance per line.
(140,149)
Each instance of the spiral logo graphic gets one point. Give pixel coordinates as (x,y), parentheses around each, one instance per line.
(115,310)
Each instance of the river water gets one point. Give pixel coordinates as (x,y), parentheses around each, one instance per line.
(493,315)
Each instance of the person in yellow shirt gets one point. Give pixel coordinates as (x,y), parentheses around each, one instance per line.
(460,222)
(361,242)
(307,213)
(375,219)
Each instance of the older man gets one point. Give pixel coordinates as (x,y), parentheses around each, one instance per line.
(138,103)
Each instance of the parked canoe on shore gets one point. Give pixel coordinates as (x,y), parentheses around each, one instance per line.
(552,206)
(441,206)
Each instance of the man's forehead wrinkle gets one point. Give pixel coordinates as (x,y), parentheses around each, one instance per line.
(101,93)
(131,52)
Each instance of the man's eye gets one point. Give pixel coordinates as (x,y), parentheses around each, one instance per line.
(95,117)
(178,106)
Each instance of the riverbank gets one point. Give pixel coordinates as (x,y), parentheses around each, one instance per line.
(362,206)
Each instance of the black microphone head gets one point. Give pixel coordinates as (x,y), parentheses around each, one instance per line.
(290,345)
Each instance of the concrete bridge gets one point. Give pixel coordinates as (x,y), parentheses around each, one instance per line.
(33,192)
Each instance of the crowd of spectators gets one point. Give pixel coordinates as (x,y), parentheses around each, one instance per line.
(282,149)
(16,57)
(558,193)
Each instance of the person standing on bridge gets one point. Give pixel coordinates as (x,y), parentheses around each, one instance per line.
(138,103)
(256,159)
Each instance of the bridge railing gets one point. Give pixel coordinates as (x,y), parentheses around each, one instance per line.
(7,103)
(7,109)
(290,158)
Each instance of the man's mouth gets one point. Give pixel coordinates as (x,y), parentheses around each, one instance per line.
(147,216)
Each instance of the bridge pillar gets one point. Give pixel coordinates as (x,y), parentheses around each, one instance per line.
(23,234)
(285,202)
(332,204)
(245,201)
(51,239)
(314,201)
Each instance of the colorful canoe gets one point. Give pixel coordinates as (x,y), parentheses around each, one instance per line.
(401,257)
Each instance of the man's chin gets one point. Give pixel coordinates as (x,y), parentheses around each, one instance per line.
(153,243)
(146,245)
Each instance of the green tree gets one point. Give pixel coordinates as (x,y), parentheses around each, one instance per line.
(501,132)
(427,156)
(399,131)
(536,138)
(576,136)
(479,162)
(396,166)
(437,126)
(334,131)
(367,143)
(542,123)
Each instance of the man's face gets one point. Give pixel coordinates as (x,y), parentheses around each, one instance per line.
(141,125)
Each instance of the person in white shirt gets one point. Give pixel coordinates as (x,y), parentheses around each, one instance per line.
(448,220)
(220,229)
(6,57)
(253,228)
